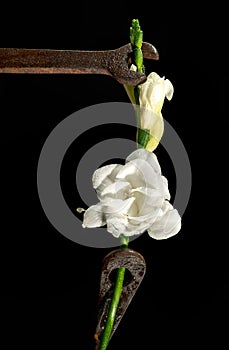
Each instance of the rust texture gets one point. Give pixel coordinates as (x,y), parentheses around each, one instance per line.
(53,61)
(132,261)
(109,62)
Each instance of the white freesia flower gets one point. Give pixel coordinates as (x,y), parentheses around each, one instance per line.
(151,99)
(133,198)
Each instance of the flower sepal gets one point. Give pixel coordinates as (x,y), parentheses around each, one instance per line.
(143,137)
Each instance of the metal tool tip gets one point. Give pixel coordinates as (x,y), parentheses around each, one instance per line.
(149,51)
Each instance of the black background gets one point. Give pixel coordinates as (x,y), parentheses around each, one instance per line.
(49,284)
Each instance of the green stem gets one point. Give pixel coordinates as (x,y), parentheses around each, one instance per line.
(124,241)
(112,309)
(114,301)
(136,36)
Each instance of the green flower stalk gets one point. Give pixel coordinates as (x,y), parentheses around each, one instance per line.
(148,97)
(136,37)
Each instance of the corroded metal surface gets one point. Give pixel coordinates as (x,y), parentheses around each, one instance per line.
(135,264)
(110,62)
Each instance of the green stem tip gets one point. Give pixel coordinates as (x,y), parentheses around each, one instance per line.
(136,38)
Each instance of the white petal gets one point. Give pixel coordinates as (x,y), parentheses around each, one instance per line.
(147,199)
(148,219)
(149,157)
(153,77)
(118,190)
(168,225)
(166,192)
(117,206)
(104,176)
(94,217)
(152,121)
(140,174)
(152,95)
(155,124)
(118,225)
(132,174)
(133,67)
(146,96)
(169,90)
(154,91)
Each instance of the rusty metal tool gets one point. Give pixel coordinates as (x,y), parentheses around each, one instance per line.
(135,264)
(115,63)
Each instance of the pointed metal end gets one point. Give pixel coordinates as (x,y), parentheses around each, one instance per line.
(135,264)
(149,51)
